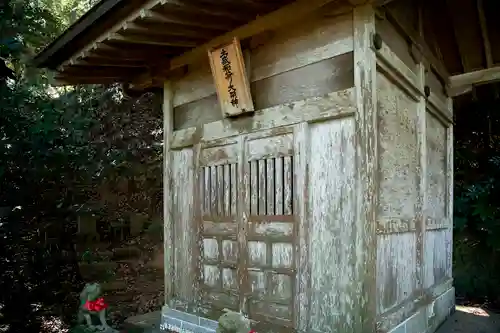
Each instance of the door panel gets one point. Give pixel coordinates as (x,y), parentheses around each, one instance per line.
(218,192)
(271,225)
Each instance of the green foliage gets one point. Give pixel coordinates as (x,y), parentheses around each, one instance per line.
(58,148)
(476,204)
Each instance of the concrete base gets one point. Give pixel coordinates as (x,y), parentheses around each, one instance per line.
(429,318)
(178,321)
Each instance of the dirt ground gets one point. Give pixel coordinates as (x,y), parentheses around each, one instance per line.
(471,320)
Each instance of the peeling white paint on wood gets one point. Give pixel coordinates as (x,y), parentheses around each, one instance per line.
(230,251)
(399,160)
(182,214)
(211,249)
(396,269)
(257,253)
(229,279)
(437,256)
(282,255)
(436,171)
(334,294)
(211,275)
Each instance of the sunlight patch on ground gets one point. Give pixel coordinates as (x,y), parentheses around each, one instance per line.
(472,310)
(53,325)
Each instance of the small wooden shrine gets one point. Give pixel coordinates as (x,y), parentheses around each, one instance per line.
(308,170)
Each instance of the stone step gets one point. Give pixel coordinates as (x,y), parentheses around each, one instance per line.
(113,286)
(118,254)
(124,253)
(144,323)
(98,271)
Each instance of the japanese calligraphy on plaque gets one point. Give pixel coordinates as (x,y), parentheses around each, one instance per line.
(231,81)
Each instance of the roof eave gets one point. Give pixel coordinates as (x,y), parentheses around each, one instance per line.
(46,57)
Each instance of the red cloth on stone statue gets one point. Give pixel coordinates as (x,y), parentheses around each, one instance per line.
(96,306)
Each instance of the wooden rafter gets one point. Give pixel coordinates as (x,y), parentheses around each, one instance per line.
(458,29)
(284,15)
(167,29)
(111,62)
(212,11)
(126,55)
(137,13)
(484,34)
(185,19)
(140,38)
(418,43)
(92,71)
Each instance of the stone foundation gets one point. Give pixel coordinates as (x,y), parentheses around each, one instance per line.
(429,318)
(179,321)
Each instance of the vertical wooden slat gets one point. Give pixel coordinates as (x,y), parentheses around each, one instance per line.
(366,164)
(227,190)
(213,191)
(199,184)
(449,184)
(270,186)
(449,174)
(301,246)
(234,190)
(168,236)
(278,180)
(262,187)
(220,190)
(254,188)
(206,192)
(243,214)
(287,185)
(420,210)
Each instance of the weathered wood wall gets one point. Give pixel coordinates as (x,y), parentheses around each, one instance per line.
(274,194)
(330,208)
(414,224)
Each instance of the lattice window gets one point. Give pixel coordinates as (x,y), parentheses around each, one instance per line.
(219,190)
(271,186)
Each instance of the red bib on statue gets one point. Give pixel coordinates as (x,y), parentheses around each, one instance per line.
(96,306)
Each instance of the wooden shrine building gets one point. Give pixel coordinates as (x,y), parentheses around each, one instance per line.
(308,170)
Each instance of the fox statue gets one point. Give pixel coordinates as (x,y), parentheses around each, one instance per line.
(234,322)
(92,306)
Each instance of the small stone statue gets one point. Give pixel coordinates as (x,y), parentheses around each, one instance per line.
(234,322)
(92,306)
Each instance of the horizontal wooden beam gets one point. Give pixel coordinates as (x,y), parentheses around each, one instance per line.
(98,61)
(142,38)
(462,82)
(187,19)
(169,29)
(212,10)
(73,81)
(92,71)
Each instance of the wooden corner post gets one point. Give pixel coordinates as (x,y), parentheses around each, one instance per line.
(168,227)
(366,162)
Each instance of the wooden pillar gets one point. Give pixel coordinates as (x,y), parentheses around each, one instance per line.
(421,210)
(366,162)
(168,228)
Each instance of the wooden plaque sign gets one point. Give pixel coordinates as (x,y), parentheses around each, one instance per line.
(231,81)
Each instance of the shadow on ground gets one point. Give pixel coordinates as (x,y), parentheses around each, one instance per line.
(471,320)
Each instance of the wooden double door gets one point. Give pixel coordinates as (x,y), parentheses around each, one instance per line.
(236,222)
(247,188)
